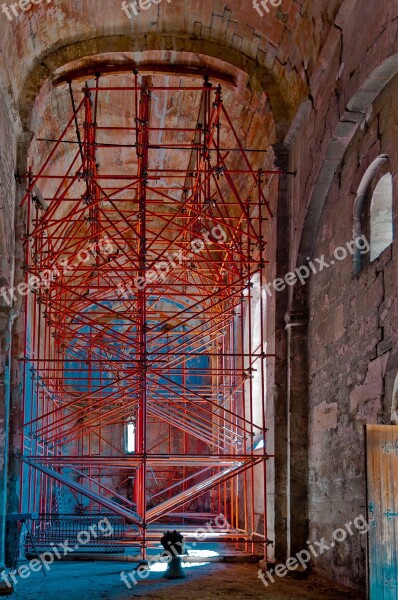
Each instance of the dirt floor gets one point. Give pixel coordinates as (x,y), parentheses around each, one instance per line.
(214,581)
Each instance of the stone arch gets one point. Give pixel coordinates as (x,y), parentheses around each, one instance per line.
(161,49)
(297,316)
(356,111)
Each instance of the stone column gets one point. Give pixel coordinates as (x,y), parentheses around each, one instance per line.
(278,402)
(290,390)
(297,431)
(16,351)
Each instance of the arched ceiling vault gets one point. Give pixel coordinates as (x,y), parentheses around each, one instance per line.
(191,56)
(277,53)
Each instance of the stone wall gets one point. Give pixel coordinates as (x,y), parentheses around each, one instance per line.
(7,315)
(349,117)
(352,347)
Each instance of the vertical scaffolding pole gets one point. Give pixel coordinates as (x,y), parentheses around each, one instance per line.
(142,156)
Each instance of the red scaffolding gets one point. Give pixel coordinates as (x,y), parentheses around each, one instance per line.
(146,308)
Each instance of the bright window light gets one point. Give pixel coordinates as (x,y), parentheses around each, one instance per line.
(160,567)
(203,553)
(259,445)
(130,438)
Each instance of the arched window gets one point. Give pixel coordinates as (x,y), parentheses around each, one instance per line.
(373,211)
(381,231)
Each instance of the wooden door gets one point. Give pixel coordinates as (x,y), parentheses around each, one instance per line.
(382,477)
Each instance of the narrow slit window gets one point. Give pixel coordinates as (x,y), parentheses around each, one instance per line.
(130,438)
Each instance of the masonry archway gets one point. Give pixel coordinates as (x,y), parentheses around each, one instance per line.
(181,71)
(356,113)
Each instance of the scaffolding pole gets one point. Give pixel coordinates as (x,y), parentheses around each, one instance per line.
(146,308)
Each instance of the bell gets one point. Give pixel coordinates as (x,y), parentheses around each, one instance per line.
(174,569)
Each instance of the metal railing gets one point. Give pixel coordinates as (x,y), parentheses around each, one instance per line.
(94,533)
